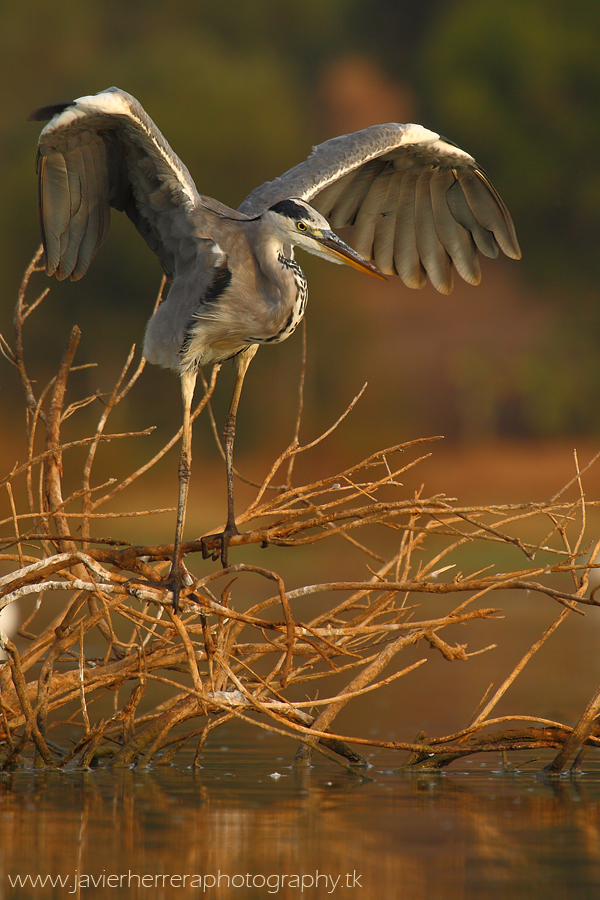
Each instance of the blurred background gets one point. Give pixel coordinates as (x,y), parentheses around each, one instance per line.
(507,371)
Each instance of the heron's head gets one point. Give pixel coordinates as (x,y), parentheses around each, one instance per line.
(298,224)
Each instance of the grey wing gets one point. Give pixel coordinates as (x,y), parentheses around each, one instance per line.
(417,204)
(104,151)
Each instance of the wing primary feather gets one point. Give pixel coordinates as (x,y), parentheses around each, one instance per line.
(54,207)
(406,256)
(78,212)
(435,260)
(385,228)
(489,210)
(460,209)
(346,207)
(326,200)
(369,214)
(98,148)
(91,224)
(455,238)
(68,239)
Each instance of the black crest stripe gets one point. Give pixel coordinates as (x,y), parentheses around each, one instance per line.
(289,208)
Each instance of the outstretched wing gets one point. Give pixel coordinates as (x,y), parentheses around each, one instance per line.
(102,151)
(416,202)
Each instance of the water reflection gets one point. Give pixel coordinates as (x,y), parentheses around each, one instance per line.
(463,834)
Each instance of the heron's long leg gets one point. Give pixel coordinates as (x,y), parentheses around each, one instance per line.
(243,360)
(215,543)
(188,383)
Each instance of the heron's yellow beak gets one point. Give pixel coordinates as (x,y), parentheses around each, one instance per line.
(341,252)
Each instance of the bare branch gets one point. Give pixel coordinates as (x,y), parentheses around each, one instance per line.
(221,658)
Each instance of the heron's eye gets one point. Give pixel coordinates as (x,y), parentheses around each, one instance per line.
(300,226)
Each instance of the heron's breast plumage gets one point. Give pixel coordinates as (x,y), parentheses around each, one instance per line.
(235,302)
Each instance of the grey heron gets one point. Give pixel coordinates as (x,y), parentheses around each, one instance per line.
(418,205)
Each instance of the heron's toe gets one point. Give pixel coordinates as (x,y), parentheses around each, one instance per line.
(217,545)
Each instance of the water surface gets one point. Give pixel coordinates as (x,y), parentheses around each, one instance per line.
(247,817)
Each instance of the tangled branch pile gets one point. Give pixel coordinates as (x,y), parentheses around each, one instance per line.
(217,663)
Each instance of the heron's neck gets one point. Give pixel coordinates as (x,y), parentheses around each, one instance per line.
(288,290)
(276,260)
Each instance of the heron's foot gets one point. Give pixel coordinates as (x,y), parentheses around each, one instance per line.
(217,545)
(175,583)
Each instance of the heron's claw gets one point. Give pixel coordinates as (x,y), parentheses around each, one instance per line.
(217,545)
